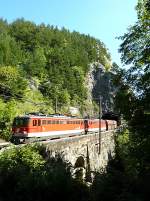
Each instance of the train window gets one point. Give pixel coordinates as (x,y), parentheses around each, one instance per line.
(43,122)
(39,122)
(34,122)
(49,122)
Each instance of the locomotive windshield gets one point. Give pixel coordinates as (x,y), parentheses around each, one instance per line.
(20,122)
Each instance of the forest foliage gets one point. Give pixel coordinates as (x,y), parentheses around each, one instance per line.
(127,176)
(31,173)
(132,163)
(40,64)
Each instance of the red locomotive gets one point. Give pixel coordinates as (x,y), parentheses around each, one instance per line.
(31,127)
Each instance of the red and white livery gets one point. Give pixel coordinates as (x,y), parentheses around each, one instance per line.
(55,126)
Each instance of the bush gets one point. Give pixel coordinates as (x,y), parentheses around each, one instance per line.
(31,173)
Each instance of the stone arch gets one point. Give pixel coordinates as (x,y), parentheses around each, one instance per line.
(80,162)
(79,169)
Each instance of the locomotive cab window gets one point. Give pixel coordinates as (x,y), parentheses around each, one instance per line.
(21,122)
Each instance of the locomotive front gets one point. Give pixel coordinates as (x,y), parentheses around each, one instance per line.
(20,129)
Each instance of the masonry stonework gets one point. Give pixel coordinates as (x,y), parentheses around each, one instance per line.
(83,151)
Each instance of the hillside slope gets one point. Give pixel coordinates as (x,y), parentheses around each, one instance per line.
(41,65)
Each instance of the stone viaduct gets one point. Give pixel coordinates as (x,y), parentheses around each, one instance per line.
(83,151)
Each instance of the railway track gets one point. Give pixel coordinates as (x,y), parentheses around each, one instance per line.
(6,145)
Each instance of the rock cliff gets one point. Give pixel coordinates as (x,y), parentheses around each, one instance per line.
(98,83)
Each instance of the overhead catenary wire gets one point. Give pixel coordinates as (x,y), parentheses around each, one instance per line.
(6,90)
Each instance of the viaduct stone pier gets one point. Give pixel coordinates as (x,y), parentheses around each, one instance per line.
(83,151)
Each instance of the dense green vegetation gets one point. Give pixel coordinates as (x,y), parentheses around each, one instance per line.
(127,176)
(40,64)
(30,173)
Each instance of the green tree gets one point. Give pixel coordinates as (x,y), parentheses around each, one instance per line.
(10,52)
(30,172)
(134,97)
(135,51)
(35,64)
(12,84)
(24,33)
(7,114)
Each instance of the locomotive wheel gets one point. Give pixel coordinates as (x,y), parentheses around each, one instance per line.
(15,140)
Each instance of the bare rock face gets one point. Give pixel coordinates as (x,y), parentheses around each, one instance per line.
(98,83)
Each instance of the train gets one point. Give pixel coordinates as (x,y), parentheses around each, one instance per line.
(32,127)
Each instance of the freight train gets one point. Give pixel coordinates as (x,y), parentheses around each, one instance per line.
(33,127)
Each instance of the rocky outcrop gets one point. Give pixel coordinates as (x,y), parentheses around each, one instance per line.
(98,83)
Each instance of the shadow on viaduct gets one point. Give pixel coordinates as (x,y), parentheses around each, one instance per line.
(83,151)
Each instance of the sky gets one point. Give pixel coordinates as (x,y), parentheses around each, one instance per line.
(103,19)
